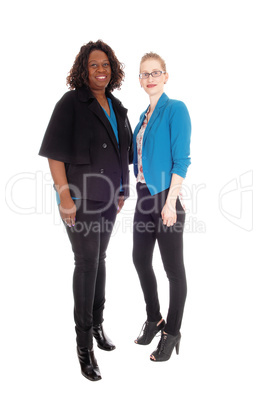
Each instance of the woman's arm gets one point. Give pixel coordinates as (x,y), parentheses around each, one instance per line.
(67,206)
(180,127)
(168,212)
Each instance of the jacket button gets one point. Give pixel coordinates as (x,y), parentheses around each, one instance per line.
(128,149)
(101,170)
(104,145)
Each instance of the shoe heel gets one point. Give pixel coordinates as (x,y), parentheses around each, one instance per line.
(162,328)
(177,347)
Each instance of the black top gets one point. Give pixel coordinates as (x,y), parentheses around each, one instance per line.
(80,135)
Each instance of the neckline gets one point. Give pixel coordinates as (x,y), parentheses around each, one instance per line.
(110,108)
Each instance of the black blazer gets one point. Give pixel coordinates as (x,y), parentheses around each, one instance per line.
(80,135)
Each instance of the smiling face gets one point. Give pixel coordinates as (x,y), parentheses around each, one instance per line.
(153,86)
(99,70)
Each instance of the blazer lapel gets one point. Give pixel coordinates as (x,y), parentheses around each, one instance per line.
(121,114)
(161,103)
(97,110)
(85,95)
(150,123)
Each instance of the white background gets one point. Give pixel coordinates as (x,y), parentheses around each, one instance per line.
(211,52)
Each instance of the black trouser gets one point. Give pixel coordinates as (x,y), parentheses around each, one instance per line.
(89,239)
(148,227)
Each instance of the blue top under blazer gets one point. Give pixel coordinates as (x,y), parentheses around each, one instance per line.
(166,144)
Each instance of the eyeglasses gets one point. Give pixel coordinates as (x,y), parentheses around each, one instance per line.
(154,74)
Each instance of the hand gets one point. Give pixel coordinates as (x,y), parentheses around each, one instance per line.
(121,201)
(67,210)
(168,214)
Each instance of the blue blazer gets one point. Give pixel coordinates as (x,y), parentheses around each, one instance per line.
(166,144)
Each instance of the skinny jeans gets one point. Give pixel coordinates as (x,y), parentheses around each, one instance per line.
(89,240)
(147,228)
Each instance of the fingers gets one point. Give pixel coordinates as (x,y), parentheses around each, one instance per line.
(169,221)
(119,208)
(120,204)
(70,221)
(68,212)
(168,215)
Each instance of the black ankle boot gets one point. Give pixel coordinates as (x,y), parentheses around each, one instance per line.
(150,329)
(102,339)
(165,347)
(88,362)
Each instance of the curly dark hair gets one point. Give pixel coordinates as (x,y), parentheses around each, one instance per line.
(78,75)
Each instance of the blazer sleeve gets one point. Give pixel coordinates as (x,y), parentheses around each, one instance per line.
(180,126)
(58,139)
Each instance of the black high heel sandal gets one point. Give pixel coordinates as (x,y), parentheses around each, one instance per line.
(165,347)
(149,329)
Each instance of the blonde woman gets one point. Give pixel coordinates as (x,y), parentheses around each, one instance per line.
(161,158)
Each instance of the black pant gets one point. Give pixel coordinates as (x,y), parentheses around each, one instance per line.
(89,239)
(148,227)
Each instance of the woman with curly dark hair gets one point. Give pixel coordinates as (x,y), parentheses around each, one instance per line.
(88,143)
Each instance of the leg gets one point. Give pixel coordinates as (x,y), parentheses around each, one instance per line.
(107,221)
(170,241)
(143,245)
(85,240)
